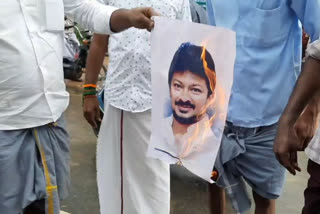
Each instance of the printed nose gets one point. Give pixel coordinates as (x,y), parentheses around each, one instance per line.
(185,97)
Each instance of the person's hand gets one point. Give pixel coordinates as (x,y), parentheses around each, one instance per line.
(296,137)
(286,145)
(306,126)
(91,111)
(141,17)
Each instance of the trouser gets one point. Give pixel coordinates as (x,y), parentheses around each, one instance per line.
(128,181)
(246,155)
(34,165)
(312,192)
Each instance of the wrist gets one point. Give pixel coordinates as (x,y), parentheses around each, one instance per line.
(287,120)
(89,90)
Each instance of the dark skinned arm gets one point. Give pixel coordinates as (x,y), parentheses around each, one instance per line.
(137,17)
(289,140)
(98,48)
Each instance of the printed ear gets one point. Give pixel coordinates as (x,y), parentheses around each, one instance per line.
(212,98)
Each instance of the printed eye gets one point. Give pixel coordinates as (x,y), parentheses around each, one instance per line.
(196,90)
(176,85)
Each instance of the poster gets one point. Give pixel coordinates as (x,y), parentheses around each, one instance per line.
(192,74)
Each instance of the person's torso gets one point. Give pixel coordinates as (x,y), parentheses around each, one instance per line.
(32,90)
(128,84)
(268,57)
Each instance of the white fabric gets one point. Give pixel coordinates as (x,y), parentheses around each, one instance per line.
(313,49)
(32,90)
(191,155)
(128,84)
(313,149)
(146,181)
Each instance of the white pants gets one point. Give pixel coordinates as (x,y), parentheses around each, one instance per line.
(128,181)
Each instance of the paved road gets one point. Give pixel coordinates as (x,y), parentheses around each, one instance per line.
(189,194)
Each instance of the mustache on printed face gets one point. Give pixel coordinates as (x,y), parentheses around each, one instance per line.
(186,104)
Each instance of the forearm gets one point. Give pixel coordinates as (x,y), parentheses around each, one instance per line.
(313,108)
(307,88)
(120,20)
(98,48)
(105,19)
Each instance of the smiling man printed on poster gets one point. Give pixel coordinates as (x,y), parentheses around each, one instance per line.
(192,83)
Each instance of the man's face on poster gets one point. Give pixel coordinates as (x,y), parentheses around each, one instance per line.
(189,97)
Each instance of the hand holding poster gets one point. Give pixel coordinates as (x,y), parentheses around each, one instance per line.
(192,74)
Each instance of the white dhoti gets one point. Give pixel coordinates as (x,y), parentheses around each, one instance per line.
(128,181)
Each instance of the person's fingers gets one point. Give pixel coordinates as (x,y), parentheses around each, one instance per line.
(98,116)
(91,119)
(151,26)
(294,161)
(89,113)
(285,161)
(146,23)
(151,12)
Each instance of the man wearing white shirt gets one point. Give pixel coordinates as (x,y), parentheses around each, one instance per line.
(298,125)
(128,181)
(34,145)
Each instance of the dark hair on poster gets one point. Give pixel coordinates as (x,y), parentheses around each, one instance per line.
(189,57)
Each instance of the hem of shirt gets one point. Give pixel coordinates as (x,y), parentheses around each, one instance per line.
(128,110)
(310,156)
(30,126)
(254,124)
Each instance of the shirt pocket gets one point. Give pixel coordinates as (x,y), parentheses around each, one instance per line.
(265,27)
(54,10)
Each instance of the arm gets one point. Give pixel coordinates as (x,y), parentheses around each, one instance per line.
(289,139)
(307,123)
(98,48)
(104,19)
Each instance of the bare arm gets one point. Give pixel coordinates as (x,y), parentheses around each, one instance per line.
(137,17)
(105,19)
(288,140)
(306,88)
(98,48)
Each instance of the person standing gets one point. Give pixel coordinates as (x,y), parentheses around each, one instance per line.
(267,65)
(128,181)
(34,144)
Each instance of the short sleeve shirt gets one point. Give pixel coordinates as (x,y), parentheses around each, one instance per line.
(128,83)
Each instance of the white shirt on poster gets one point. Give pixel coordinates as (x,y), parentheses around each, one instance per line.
(191,149)
(128,83)
(32,89)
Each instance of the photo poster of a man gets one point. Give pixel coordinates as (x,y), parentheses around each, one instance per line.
(192,75)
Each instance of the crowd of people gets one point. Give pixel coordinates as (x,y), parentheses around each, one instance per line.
(273,110)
